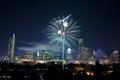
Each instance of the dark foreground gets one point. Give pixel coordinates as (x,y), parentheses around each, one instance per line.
(12,71)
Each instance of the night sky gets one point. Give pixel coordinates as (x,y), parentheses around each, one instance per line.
(99,21)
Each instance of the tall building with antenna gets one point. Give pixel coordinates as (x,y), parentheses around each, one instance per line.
(11,45)
(81,46)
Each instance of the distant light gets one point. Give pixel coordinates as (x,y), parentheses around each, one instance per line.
(63,33)
(69,50)
(90,73)
(110,71)
(73,73)
(114,52)
(59,32)
(94,53)
(77,62)
(46,52)
(65,23)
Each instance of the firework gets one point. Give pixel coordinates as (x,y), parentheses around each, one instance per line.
(71,31)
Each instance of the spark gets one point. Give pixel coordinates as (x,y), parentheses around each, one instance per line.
(71,31)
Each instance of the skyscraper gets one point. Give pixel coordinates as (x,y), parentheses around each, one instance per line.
(81,46)
(11,45)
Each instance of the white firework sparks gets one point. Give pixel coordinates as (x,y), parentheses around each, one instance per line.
(71,31)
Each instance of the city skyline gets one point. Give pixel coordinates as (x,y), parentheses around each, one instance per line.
(98,21)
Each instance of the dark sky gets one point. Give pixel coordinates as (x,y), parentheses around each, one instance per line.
(99,21)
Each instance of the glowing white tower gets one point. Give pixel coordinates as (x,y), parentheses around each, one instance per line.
(69,55)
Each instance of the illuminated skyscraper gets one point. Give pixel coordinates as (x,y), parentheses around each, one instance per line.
(81,46)
(69,56)
(11,45)
(115,57)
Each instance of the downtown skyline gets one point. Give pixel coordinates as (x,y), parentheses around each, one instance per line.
(98,21)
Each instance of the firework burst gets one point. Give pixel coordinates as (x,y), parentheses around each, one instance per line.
(71,31)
